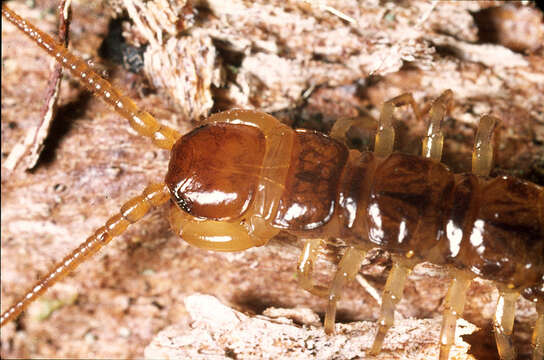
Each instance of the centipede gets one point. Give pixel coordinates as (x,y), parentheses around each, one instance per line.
(242,177)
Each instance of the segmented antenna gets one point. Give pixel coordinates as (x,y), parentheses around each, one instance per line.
(141,121)
(133,210)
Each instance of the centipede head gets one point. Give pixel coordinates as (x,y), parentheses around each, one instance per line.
(217,178)
(214,170)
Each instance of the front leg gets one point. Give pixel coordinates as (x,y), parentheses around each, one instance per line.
(305,267)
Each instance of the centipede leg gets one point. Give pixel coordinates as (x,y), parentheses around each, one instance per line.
(390,298)
(385,136)
(305,267)
(347,269)
(538,334)
(482,155)
(504,324)
(433,142)
(453,308)
(341,127)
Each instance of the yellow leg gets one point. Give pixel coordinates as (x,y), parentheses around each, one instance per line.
(504,324)
(433,142)
(482,155)
(341,127)
(347,269)
(385,137)
(306,267)
(538,334)
(453,308)
(390,298)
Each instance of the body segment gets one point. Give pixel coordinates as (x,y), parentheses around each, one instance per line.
(404,204)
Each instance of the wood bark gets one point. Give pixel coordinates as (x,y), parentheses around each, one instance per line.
(303,63)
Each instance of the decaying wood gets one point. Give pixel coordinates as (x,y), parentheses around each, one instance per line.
(219,332)
(303,63)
